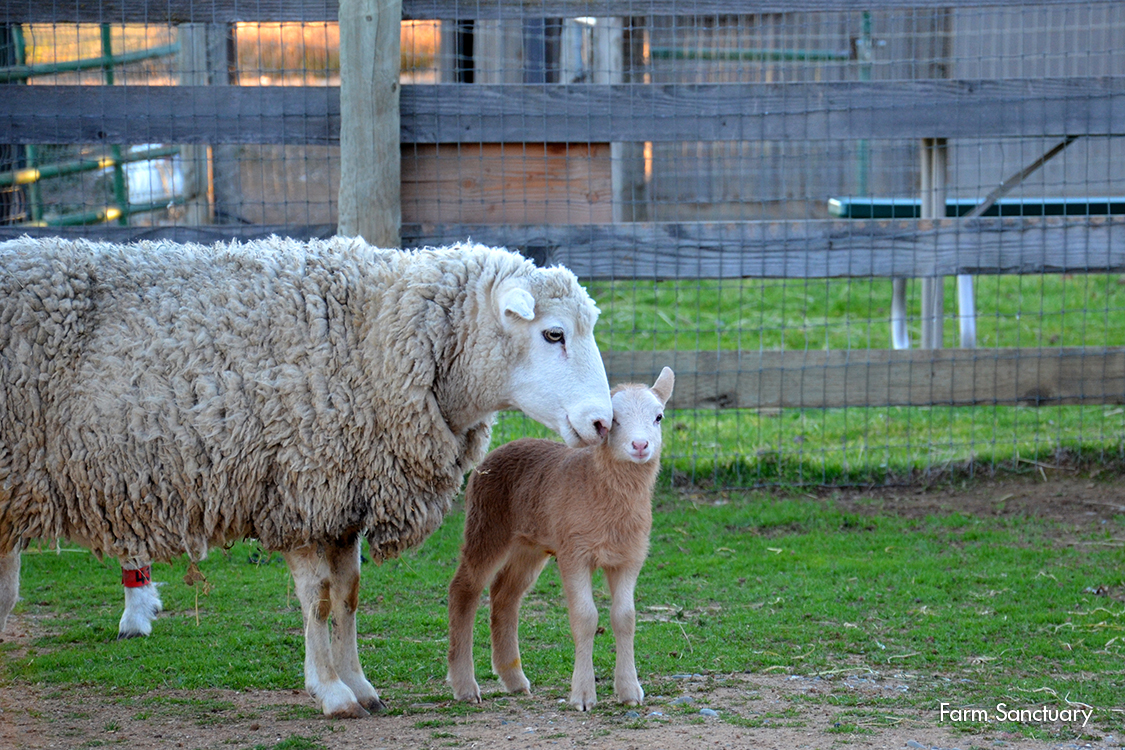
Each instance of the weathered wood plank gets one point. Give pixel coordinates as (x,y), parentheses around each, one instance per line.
(228,11)
(204,235)
(455,113)
(466,9)
(878,377)
(369,196)
(169,114)
(496,183)
(166,11)
(809,249)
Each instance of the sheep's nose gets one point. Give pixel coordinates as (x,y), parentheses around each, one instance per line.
(640,445)
(601,428)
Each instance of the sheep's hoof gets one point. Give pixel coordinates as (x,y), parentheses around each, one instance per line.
(374,705)
(350,711)
(126,635)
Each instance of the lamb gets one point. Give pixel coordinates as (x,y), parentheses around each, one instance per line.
(589,507)
(158,399)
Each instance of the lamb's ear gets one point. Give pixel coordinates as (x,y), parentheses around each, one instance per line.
(663,385)
(515,300)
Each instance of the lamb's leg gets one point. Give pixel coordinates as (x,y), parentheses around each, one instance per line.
(623,618)
(142,602)
(583,625)
(312,580)
(506,593)
(464,598)
(343,561)
(9,584)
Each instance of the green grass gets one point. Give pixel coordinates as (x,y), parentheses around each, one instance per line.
(738,448)
(976,611)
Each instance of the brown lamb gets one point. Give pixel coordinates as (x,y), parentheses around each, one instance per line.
(589,508)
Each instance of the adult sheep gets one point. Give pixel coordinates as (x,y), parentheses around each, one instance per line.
(159,399)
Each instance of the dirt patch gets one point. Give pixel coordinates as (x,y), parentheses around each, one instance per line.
(767,711)
(756,711)
(1078,504)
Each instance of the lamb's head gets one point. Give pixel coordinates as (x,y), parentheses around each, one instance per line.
(556,375)
(637,413)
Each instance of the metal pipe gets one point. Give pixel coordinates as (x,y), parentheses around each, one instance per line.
(109,213)
(120,193)
(23,71)
(32,175)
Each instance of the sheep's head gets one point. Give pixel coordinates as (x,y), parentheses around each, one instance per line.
(637,414)
(558,377)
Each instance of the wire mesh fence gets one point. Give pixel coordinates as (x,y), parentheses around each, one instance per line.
(772,198)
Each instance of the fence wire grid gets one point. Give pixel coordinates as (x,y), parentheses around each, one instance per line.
(875,245)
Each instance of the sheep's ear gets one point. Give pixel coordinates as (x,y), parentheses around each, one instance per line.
(515,300)
(663,385)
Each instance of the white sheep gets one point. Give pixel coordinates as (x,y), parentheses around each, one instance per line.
(590,508)
(159,399)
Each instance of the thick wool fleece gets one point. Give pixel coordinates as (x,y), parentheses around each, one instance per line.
(157,399)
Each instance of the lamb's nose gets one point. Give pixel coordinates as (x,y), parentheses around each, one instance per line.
(640,445)
(601,428)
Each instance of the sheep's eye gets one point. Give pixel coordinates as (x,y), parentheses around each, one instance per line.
(659,418)
(554,336)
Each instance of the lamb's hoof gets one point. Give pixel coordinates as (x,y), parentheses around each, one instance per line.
(374,705)
(583,702)
(470,695)
(350,711)
(126,635)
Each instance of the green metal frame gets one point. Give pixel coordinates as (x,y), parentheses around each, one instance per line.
(33,173)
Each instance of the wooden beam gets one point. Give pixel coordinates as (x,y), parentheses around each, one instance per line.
(205,235)
(809,249)
(880,377)
(369,196)
(935,108)
(456,113)
(169,114)
(450,9)
(230,11)
(166,11)
(496,183)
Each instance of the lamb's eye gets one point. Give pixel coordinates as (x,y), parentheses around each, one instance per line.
(554,336)
(659,418)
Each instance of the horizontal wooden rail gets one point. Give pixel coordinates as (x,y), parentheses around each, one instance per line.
(756,249)
(458,113)
(169,114)
(226,11)
(762,111)
(798,249)
(878,377)
(203,234)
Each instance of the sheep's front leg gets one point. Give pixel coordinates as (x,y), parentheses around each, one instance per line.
(583,625)
(506,593)
(312,580)
(343,563)
(9,584)
(142,601)
(623,618)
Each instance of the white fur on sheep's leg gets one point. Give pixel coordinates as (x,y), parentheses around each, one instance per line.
(344,561)
(583,626)
(9,584)
(142,602)
(623,618)
(313,581)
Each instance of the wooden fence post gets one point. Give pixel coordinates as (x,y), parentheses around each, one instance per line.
(370,159)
